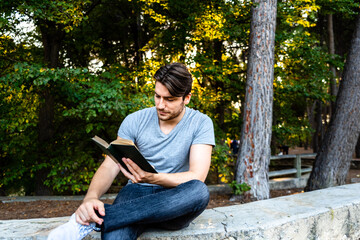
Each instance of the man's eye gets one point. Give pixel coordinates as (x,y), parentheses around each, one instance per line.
(170,100)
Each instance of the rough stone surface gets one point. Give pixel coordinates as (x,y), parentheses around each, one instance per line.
(286,183)
(332,213)
(355,180)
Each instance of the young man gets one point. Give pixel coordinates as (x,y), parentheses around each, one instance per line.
(178,142)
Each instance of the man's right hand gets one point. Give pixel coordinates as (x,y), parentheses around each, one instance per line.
(85,214)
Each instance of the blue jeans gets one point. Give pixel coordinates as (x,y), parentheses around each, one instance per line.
(138,207)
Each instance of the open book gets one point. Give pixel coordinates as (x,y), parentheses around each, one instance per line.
(120,148)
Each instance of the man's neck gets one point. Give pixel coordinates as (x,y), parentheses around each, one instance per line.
(168,125)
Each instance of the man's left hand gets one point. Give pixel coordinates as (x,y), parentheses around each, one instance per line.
(136,174)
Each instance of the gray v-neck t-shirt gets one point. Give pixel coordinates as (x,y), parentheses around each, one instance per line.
(168,153)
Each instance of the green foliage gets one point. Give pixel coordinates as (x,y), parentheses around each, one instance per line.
(216,85)
(10,53)
(239,188)
(64,13)
(295,133)
(86,104)
(347,8)
(222,162)
(131,40)
(302,73)
(72,171)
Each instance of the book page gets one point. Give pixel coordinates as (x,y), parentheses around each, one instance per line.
(100,141)
(122,141)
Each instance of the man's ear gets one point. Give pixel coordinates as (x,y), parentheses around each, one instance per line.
(187,98)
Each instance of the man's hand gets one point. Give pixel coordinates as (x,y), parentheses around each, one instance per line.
(85,214)
(136,174)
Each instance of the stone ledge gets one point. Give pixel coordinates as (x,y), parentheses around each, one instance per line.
(332,213)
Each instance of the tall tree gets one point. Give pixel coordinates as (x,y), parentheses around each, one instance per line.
(331,44)
(53,23)
(300,70)
(333,160)
(254,156)
(357,149)
(52,19)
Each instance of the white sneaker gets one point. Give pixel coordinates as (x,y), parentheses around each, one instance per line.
(71,230)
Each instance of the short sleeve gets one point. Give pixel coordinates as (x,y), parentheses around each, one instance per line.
(205,132)
(126,129)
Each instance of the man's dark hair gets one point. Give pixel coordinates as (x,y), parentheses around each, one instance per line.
(176,78)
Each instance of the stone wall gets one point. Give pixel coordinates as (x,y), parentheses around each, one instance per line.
(332,213)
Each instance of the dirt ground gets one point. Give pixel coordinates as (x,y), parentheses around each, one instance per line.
(48,209)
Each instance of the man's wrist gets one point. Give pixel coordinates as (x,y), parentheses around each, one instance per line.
(89,196)
(155,178)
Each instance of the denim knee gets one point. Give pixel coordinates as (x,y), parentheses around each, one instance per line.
(199,192)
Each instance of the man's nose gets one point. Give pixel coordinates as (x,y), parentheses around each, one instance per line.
(161,103)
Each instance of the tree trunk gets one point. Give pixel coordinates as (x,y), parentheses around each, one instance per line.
(357,149)
(333,161)
(136,30)
(333,86)
(254,156)
(317,136)
(52,36)
(311,118)
(217,46)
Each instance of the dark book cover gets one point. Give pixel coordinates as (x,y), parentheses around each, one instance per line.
(120,148)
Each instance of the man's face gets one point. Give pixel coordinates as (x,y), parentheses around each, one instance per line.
(167,106)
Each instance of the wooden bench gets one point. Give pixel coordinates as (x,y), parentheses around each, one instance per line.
(297,170)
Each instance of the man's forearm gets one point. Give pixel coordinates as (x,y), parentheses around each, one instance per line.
(174,179)
(200,159)
(137,175)
(102,179)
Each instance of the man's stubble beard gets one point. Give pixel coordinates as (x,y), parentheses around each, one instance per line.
(172,116)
